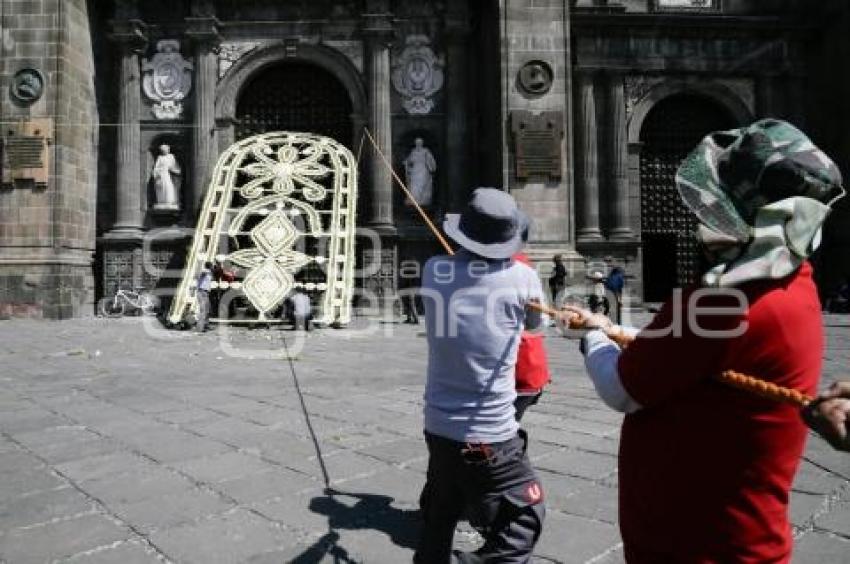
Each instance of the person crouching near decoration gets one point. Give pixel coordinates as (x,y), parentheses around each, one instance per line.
(532,366)
(706,469)
(475,310)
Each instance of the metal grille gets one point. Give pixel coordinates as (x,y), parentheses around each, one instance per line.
(671,130)
(119,271)
(295,97)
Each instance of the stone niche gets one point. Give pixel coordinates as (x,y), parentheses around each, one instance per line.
(152,141)
(25,154)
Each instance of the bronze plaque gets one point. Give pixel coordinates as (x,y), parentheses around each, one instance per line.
(23,151)
(25,158)
(537,140)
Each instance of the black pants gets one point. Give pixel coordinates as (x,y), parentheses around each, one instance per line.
(408,302)
(494,486)
(302,320)
(523,402)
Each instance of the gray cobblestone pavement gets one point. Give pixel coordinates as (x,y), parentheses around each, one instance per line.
(121,442)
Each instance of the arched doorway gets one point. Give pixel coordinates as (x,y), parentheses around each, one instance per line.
(295,96)
(672,128)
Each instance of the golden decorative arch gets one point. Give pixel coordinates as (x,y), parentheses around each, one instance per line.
(269,194)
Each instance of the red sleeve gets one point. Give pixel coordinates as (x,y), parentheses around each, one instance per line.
(677,350)
(532,366)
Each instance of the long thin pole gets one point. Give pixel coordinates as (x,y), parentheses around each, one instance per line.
(533,305)
(407,192)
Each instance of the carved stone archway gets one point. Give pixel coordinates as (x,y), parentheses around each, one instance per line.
(645,93)
(241,73)
(715,91)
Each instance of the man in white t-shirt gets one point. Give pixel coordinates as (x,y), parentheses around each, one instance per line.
(476,309)
(202,295)
(302,310)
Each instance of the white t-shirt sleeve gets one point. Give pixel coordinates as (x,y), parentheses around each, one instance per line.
(600,359)
(534,318)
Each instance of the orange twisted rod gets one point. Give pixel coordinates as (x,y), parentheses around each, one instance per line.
(744,382)
(763,388)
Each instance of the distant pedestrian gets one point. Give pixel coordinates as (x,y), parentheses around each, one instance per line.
(222,277)
(598,299)
(408,299)
(558,280)
(302,311)
(202,295)
(532,365)
(615,284)
(475,310)
(839,300)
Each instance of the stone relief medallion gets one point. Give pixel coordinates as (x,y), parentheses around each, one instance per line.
(27,86)
(535,77)
(167,79)
(637,87)
(229,53)
(417,75)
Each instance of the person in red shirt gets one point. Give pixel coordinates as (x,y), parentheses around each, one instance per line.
(706,469)
(532,366)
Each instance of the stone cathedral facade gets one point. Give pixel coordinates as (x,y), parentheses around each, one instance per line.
(114,113)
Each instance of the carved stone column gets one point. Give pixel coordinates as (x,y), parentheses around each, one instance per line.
(377,31)
(587,161)
(204,32)
(130,36)
(457,141)
(619,153)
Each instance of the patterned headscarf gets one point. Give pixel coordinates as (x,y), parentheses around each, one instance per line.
(761,194)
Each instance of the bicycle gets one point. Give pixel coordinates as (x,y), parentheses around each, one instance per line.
(143,303)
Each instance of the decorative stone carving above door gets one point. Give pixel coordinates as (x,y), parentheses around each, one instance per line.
(167,79)
(417,75)
(230,52)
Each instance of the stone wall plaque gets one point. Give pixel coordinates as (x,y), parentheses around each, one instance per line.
(26,158)
(537,143)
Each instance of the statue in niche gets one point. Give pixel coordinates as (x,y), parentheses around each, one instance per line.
(420,166)
(164,170)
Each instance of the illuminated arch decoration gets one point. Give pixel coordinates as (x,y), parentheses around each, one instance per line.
(281,207)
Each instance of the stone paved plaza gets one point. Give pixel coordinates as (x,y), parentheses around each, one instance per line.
(121,442)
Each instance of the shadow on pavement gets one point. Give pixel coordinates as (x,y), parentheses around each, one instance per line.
(370,511)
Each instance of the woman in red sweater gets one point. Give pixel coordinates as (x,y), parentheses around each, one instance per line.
(705,470)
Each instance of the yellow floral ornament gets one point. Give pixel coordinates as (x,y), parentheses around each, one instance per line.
(270,194)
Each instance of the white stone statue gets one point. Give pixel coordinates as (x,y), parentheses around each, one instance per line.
(163,181)
(420,166)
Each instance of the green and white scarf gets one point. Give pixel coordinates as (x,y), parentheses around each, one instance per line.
(761,195)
